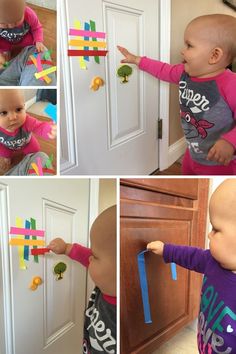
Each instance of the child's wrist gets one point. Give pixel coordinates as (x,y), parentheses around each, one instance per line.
(137,60)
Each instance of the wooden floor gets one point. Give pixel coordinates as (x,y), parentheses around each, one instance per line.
(173,170)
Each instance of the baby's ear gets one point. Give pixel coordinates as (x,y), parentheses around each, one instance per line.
(216,55)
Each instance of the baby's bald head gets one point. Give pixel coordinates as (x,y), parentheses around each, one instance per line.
(103,232)
(11,11)
(218,29)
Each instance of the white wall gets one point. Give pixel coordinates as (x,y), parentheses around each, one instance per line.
(50,4)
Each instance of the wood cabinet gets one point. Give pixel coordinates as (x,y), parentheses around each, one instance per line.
(174,211)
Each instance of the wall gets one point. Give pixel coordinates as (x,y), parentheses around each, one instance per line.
(50,4)
(183,11)
(107,193)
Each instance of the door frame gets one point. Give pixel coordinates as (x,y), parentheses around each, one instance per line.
(69,159)
(5,275)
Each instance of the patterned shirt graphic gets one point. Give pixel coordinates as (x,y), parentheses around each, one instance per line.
(15,35)
(207,106)
(99,325)
(217,315)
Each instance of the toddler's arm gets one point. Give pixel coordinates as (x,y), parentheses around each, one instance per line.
(44,129)
(188,257)
(74,251)
(158,69)
(35,27)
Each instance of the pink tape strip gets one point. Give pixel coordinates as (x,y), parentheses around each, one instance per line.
(39,163)
(83,33)
(21,231)
(39,65)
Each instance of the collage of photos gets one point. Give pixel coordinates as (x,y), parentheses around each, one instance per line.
(117,177)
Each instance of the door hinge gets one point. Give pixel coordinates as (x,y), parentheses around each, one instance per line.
(159,129)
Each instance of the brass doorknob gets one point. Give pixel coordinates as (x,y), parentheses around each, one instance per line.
(36,281)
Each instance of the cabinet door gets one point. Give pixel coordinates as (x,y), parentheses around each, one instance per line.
(173,211)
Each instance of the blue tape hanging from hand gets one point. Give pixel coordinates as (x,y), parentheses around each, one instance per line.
(144,286)
(173,271)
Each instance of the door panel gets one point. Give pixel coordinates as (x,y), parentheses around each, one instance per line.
(116,125)
(50,319)
(148,215)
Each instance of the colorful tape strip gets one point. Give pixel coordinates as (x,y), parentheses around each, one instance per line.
(81,60)
(81,43)
(34,61)
(51,110)
(45,72)
(144,286)
(22,265)
(173,271)
(21,231)
(40,167)
(27,237)
(33,227)
(39,251)
(90,53)
(86,38)
(93,28)
(82,33)
(23,242)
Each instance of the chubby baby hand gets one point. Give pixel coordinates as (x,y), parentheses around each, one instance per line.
(53,132)
(129,58)
(222,152)
(58,246)
(156,247)
(4,57)
(40,47)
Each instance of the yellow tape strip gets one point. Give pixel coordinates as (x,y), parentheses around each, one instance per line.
(80,43)
(45,72)
(19,223)
(82,63)
(46,78)
(23,242)
(35,167)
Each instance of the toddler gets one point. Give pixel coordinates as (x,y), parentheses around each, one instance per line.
(217,315)
(100,315)
(206,93)
(16,128)
(19,25)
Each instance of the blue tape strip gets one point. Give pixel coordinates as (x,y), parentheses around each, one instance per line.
(51,110)
(87,28)
(173,271)
(27,237)
(144,286)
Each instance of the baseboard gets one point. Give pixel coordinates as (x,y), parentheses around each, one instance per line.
(176,150)
(30,102)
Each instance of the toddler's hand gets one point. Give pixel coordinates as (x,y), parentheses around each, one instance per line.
(53,132)
(222,152)
(40,47)
(59,246)
(156,247)
(129,58)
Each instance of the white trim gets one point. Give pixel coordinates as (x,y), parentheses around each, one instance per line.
(176,150)
(5,275)
(72,162)
(93,213)
(165,29)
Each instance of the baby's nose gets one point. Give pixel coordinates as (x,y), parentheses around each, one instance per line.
(12,116)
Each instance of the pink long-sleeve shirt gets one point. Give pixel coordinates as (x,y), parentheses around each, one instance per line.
(208,106)
(22,138)
(27,33)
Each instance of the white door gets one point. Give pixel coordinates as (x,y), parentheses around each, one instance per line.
(48,320)
(112,130)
